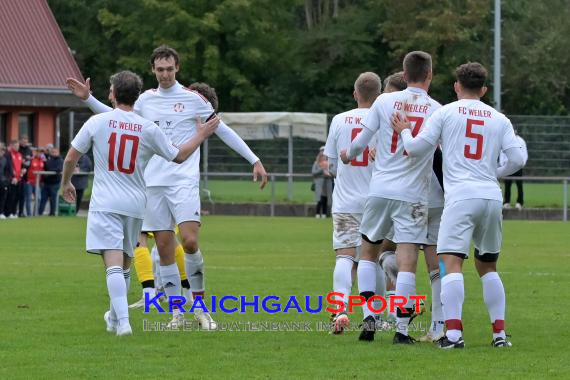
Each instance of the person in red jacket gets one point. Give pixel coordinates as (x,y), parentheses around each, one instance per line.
(36,165)
(15,188)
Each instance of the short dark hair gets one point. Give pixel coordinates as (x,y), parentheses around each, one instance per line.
(471,75)
(368,85)
(417,65)
(396,80)
(126,87)
(207,92)
(164,52)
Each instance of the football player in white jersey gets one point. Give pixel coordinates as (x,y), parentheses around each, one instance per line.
(123,144)
(399,188)
(173,190)
(143,261)
(351,185)
(471,134)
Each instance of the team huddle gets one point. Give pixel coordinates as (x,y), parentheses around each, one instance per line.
(401,151)
(422,150)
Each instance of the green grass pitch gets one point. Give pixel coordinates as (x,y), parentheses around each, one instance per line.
(54,297)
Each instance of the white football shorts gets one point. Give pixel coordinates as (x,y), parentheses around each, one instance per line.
(107,230)
(434,221)
(346,230)
(168,206)
(477,219)
(409,220)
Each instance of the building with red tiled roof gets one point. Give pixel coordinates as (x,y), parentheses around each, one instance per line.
(34,64)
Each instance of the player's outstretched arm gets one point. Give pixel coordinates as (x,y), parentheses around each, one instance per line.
(357,146)
(69,164)
(83,92)
(203,131)
(232,139)
(259,171)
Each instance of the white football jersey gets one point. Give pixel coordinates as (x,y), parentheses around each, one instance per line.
(123,143)
(396,175)
(174,110)
(472,134)
(352,181)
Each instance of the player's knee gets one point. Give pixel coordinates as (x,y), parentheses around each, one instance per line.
(190,244)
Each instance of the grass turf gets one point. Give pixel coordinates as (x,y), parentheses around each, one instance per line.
(55,296)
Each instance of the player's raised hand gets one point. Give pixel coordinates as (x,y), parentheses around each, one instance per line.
(208,128)
(81,90)
(259,171)
(399,122)
(68,192)
(344,157)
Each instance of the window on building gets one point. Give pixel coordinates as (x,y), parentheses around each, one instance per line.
(26,126)
(3,127)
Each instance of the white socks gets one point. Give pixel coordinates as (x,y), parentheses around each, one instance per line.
(436,309)
(366,274)
(127,276)
(194,265)
(170,280)
(342,277)
(380,288)
(494,297)
(118,294)
(452,296)
(405,286)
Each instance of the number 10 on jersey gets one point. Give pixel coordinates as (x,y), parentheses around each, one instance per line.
(365,154)
(120,166)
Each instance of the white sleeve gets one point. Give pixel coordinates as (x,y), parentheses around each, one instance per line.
(232,139)
(84,139)
(431,131)
(515,161)
(360,143)
(333,165)
(372,120)
(96,106)
(509,140)
(160,144)
(416,146)
(330,146)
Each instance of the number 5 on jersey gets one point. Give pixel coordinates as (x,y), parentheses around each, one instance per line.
(365,154)
(477,136)
(134,142)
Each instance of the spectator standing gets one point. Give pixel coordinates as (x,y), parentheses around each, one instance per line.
(36,165)
(5,177)
(519,182)
(80,182)
(322,183)
(25,194)
(54,163)
(14,189)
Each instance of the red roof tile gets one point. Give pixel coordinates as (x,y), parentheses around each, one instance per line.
(33,51)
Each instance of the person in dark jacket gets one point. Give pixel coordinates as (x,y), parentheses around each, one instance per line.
(15,189)
(25,199)
(80,182)
(54,163)
(6,174)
